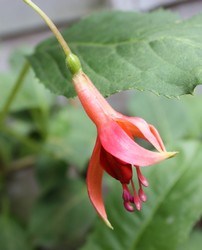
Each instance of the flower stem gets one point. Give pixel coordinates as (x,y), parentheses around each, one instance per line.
(52,26)
(14,91)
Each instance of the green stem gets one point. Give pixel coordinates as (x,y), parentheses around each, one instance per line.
(72,61)
(22,163)
(14,91)
(52,26)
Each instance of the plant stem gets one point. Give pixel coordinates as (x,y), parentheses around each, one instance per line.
(52,26)
(72,61)
(14,91)
(22,163)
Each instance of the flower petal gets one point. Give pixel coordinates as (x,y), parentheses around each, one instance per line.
(118,143)
(94,183)
(158,137)
(140,128)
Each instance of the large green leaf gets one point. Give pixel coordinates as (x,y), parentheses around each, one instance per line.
(12,236)
(174,204)
(125,50)
(175,119)
(194,242)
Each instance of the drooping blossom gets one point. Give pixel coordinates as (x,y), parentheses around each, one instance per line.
(116,150)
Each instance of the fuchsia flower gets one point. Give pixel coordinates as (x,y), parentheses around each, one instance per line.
(116,150)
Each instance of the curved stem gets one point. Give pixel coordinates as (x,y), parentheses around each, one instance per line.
(14,91)
(52,26)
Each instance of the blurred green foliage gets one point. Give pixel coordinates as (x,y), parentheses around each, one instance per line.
(48,140)
(45,145)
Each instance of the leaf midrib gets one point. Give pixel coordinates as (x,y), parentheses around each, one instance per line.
(158,204)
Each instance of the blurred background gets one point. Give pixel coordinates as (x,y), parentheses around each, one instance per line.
(44,152)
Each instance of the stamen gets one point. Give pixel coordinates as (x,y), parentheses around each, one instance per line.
(128,207)
(127,197)
(141,178)
(126,193)
(142,194)
(136,199)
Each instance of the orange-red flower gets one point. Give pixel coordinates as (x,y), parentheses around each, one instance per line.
(116,150)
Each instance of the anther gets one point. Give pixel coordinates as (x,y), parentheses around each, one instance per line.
(127,198)
(126,194)
(136,199)
(128,207)
(141,178)
(142,195)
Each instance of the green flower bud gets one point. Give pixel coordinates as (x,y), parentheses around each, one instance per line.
(73,63)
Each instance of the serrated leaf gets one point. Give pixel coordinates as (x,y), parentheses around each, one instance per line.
(174,204)
(12,236)
(126,50)
(71,136)
(62,218)
(175,119)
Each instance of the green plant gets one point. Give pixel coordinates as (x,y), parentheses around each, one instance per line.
(45,146)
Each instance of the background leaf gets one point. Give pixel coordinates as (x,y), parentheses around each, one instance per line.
(12,236)
(62,217)
(172,208)
(71,136)
(194,242)
(126,50)
(175,119)
(50,173)
(31,95)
